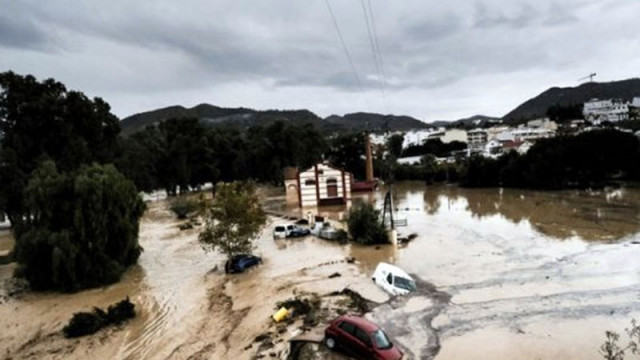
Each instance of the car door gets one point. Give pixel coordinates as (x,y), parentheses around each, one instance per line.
(346,339)
(363,344)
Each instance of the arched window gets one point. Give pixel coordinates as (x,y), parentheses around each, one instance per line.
(332,181)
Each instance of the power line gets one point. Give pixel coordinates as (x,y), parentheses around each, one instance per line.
(346,50)
(376,60)
(375,37)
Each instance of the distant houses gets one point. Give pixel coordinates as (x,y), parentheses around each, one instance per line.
(612,110)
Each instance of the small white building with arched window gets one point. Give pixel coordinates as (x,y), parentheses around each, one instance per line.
(319,185)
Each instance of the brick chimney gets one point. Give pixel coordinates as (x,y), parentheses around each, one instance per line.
(369,165)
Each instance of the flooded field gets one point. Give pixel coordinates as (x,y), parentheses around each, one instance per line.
(531,275)
(503,274)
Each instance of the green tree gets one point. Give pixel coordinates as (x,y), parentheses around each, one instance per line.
(347,151)
(365,226)
(42,120)
(81,228)
(394,145)
(234,219)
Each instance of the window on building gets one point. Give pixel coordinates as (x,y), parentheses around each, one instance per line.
(309,182)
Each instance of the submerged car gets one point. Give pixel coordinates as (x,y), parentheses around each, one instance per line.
(393,280)
(240,263)
(360,338)
(297,231)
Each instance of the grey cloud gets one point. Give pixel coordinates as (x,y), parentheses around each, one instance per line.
(22,33)
(280,46)
(435,29)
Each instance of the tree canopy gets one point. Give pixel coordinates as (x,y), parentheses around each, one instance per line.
(81,227)
(234,219)
(43,120)
(75,220)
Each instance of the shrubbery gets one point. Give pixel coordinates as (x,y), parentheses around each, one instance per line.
(86,323)
(365,227)
(182,206)
(81,228)
(590,159)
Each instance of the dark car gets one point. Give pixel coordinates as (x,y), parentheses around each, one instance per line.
(240,263)
(297,231)
(361,338)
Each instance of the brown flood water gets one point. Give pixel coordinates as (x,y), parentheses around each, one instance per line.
(517,275)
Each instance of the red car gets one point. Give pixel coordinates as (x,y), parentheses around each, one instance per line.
(361,338)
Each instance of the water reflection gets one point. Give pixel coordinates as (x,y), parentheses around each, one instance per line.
(605,215)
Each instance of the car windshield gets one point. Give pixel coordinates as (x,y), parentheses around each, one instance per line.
(380,339)
(279,228)
(404,283)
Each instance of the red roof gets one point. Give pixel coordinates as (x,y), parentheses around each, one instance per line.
(510,144)
(361,322)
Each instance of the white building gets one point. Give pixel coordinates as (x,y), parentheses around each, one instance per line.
(418,137)
(454,135)
(612,110)
(319,185)
(528,134)
(477,139)
(543,123)
(636,102)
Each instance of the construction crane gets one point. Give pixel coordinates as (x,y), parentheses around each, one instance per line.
(590,77)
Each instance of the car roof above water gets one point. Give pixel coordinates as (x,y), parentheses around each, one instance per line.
(361,322)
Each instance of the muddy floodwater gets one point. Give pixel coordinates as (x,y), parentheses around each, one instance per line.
(502,274)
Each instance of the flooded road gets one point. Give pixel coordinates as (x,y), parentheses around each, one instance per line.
(502,274)
(530,274)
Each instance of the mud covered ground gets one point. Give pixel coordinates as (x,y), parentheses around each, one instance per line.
(502,274)
(187,307)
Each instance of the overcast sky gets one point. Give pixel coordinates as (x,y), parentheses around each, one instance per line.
(440,59)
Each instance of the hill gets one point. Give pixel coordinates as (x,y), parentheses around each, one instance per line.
(470,122)
(376,122)
(243,118)
(537,106)
(212,116)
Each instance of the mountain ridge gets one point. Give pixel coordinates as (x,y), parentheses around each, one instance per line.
(537,106)
(211,115)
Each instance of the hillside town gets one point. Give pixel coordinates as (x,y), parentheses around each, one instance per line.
(497,138)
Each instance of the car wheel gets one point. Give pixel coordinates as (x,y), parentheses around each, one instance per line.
(330,342)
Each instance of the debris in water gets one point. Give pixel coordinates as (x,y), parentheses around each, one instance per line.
(334,275)
(299,306)
(357,301)
(86,323)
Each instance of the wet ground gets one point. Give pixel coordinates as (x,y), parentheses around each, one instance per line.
(530,275)
(503,274)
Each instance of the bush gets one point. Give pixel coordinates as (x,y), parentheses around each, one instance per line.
(365,226)
(86,323)
(81,228)
(182,206)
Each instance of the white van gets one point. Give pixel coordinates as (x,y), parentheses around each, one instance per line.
(280,231)
(393,280)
